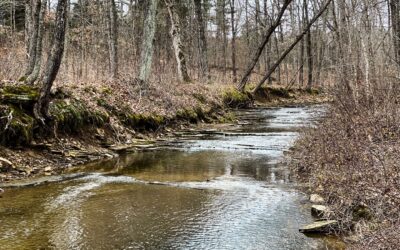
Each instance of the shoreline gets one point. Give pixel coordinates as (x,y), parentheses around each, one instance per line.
(54,156)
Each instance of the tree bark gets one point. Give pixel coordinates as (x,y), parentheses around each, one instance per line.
(177,42)
(39,46)
(291,47)
(41,108)
(33,39)
(309,50)
(113,38)
(204,69)
(301,47)
(395,20)
(260,48)
(233,40)
(146,55)
(28,25)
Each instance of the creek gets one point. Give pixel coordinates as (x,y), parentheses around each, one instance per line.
(208,189)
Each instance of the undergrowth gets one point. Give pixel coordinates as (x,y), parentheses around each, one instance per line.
(352,158)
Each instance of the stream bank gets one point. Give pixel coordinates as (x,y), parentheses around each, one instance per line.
(95,123)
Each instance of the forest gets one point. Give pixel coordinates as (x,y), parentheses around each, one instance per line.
(83,80)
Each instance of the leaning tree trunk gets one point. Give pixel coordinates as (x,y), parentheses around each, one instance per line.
(177,42)
(113,38)
(292,46)
(53,62)
(260,48)
(39,47)
(205,72)
(33,25)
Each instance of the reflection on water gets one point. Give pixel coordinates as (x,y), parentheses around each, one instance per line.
(223,191)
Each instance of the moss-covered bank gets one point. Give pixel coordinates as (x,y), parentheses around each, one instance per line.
(71,116)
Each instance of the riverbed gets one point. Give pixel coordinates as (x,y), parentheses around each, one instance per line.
(201,189)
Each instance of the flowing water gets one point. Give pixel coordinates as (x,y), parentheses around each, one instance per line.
(202,190)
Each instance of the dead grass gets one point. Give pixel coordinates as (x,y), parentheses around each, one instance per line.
(353,159)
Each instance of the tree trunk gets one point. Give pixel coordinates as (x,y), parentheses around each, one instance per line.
(33,39)
(301,47)
(28,25)
(177,42)
(53,62)
(225,38)
(291,47)
(233,40)
(205,73)
(395,20)
(39,47)
(113,38)
(146,55)
(260,48)
(257,34)
(309,50)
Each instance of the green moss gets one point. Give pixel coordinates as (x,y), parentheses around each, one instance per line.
(200,98)
(236,99)
(106,91)
(279,92)
(18,94)
(143,122)
(61,93)
(362,212)
(22,79)
(313,91)
(18,130)
(72,116)
(190,115)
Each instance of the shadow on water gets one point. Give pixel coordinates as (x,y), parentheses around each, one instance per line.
(204,190)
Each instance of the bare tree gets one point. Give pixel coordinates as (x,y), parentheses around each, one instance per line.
(260,49)
(112,17)
(33,27)
(146,56)
(233,40)
(177,42)
(308,49)
(53,62)
(395,20)
(202,40)
(291,47)
(39,47)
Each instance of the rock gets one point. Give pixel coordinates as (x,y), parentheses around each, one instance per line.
(48,169)
(121,148)
(324,226)
(316,198)
(108,156)
(319,210)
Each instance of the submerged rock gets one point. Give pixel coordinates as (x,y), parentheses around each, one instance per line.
(324,226)
(316,198)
